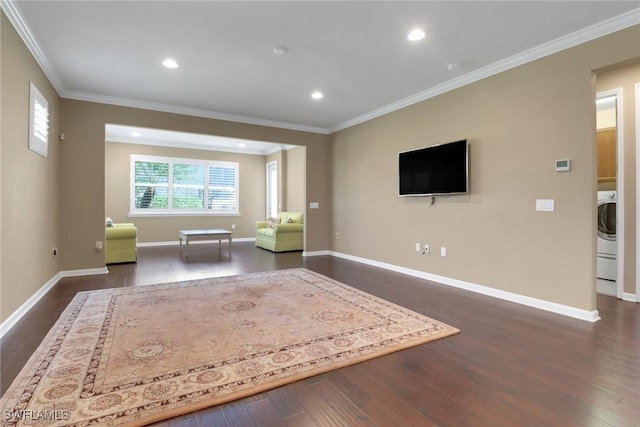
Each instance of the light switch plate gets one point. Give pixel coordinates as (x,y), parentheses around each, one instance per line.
(545,205)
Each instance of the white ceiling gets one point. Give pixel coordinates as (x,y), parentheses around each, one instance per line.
(355,52)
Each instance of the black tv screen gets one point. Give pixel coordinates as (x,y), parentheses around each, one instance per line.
(436,170)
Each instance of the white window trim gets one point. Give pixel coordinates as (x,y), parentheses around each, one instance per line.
(149,212)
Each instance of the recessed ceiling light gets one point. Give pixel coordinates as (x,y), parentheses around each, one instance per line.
(135,134)
(170,63)
(416,35)
(280,50)
(317,95)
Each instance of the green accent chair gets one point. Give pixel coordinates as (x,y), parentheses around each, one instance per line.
(287,235)
(121,240)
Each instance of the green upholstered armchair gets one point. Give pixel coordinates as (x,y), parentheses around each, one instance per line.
(284,234)
(121,240)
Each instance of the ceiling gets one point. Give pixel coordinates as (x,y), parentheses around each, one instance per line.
(355,52)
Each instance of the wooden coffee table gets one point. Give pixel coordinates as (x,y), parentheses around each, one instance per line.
(207,234)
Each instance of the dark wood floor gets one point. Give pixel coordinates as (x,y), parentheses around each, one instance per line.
(510,366)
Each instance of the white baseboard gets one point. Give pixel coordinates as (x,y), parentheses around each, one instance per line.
(316,253)
(195,242)
(626,296)
(565,310)
(10,321)
(84,272)
(151,244)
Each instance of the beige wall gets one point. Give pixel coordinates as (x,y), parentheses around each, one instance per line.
(82,176)
(165,228)
(29,184)
(295,179)
(517,122)
(626,77)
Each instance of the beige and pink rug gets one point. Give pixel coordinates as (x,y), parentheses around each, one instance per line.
(131,356)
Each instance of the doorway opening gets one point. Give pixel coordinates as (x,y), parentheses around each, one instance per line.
(609,198)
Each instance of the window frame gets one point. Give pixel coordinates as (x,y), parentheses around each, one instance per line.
(170,210)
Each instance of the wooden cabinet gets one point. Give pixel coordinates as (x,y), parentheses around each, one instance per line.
(606,140)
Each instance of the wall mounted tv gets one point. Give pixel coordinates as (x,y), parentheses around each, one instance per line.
(437,170)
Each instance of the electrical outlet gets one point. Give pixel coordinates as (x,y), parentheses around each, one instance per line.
(443,251)
(417,247)
(426,249)
(233,226)
(54,251)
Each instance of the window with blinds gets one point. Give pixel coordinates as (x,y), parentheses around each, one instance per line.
(38,121)
(183,186)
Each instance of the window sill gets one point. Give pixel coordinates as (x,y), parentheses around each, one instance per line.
(169,214)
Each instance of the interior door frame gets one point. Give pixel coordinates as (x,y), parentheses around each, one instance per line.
(617,92)
(269,167)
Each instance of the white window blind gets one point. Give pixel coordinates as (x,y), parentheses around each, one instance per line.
(183,186)
(222,188)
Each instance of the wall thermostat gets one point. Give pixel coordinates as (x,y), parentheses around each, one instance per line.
(563,165)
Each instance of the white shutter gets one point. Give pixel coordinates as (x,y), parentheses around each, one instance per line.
(38,121)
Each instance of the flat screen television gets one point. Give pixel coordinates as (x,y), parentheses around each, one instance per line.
(437,170)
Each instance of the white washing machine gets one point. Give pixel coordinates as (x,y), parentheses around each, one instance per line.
(607,266)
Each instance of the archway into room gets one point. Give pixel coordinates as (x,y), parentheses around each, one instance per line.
(123,197)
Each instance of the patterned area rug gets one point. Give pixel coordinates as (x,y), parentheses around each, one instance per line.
(130,356)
